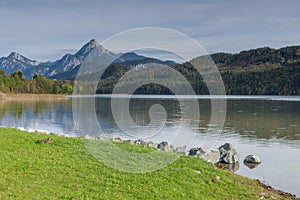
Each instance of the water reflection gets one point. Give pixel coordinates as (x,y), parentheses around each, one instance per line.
(252,119)
(265,119)
(251,165)
(52,115)
(233,167)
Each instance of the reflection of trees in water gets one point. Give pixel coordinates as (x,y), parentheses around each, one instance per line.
(17,108)
(26,113)
(264,119)
(13,108)
(256,119)
(138,108)
(260,119)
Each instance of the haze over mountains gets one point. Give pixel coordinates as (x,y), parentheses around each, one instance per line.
(67,66)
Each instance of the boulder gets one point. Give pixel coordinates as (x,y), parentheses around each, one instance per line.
(209,155)
(21,128)
(164,146)
(228,154)
(252,159)
(150,144)
(88,137)
(194,151)
(117,139)
(31,130)
(212,155)
(40,131)
(139,142)
(129,141)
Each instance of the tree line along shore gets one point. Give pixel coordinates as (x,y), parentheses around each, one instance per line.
(16,83)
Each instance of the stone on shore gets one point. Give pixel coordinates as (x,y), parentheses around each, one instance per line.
(139,142)
(209,155)
(194,151)
(164,146)
(181,150)
(42,132)
(252,159)
(21,128)
(228,154)
(117,139)
(31,130)
(150,145)
(88,137)
(129,141)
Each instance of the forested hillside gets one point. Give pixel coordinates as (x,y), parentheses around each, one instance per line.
(262,71)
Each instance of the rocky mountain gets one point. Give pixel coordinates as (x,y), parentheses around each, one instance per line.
(68,65)
(15,62)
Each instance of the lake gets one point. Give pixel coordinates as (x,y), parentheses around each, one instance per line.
(263,125)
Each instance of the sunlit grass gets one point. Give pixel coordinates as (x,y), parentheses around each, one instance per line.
(64,169)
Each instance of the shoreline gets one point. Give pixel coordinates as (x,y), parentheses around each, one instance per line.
(27,96)
(144,144)
(30,96)
(205,97)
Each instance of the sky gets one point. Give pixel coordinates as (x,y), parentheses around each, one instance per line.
(47,29)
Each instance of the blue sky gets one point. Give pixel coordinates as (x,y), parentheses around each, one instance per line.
(46,30)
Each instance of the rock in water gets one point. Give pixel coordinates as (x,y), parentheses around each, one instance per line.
(252,159)
(228,154)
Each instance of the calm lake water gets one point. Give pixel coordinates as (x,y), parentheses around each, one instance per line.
(265,126)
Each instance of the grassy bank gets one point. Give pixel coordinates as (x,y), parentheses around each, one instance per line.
(14,97)
(64,169)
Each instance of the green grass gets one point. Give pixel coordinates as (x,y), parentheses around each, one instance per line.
(65,170)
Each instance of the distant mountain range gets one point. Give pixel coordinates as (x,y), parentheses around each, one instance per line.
(68,65)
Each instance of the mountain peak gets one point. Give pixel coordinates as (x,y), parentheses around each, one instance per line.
(89,47)
(86,49)
(93,42)
(15,55)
